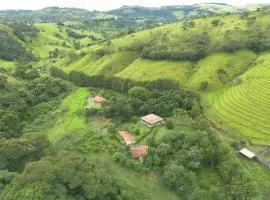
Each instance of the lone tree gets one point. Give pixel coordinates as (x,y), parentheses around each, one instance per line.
(3,80)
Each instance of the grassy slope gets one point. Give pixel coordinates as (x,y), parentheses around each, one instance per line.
(107,65)
(70,117)
(233,63)
(47,40)
(143,70)
(246,106)
(166,69)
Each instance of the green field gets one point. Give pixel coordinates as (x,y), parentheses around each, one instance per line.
(245,107)
(145,70)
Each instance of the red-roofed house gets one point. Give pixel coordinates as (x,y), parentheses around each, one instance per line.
(99,99)
(129,139)
(152,120)
(139,152)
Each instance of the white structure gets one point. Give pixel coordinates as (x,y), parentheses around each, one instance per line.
(247,153)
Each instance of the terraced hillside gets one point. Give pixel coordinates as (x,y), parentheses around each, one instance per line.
(246,107)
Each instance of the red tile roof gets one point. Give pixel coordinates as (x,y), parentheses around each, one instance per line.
(99,99)
(129,139)
(152,119)
(137,152)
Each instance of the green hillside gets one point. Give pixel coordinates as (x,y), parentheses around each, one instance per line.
(193,52)
(245,107)
(204,69)
(168,52)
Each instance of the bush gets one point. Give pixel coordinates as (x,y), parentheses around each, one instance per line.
(204,85)
(201,123)
(215,22)
(3,80)
(169,124)
(91,112)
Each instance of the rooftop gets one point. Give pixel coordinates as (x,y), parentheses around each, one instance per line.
(129,139)
(152,119)
(99,99)
(247,153)
(138,152)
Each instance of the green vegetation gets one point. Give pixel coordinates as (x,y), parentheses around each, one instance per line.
(239,105)
(21,101)
(207,75)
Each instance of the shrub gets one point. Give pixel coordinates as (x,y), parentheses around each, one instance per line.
(169,124)
(204,85)
(3,80)
(91,111)
(201,123)
(215,22)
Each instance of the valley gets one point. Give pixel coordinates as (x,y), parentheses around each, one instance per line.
(202,70)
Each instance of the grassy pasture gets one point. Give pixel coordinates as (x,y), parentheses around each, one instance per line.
(70,117)
(145,70)
(232,63)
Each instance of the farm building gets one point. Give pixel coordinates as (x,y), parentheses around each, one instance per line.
(139,152)
(245,152)
(128,139)
(100,99)
(152,120)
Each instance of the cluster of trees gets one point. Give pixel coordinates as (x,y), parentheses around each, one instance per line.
(16,152)
(26,72)
(65,176)
(14,105)
(23,30)
(71,33)
(141,101)
(11,49)
(112,83)
(180,157)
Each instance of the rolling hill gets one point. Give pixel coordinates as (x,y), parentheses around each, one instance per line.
(207,75)
(219,58)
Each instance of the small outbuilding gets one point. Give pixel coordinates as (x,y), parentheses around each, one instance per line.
(245,152)
(152,120)
(100,99)
(127,137)
(139,152)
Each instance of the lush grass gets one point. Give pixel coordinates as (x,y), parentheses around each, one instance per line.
(8,65)
(144,70)
(245,107)
(233,63)
(70,118)
(47,40)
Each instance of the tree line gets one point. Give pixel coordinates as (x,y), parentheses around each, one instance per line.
(112,83)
